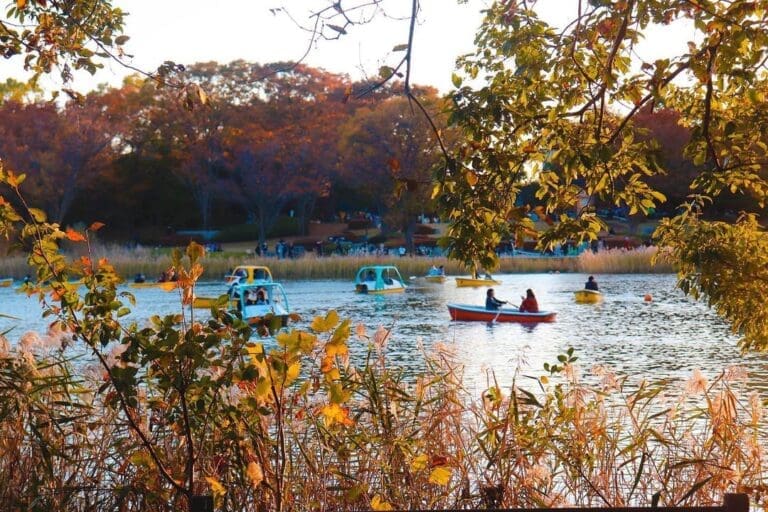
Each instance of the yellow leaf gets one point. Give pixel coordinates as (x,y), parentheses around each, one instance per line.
(336,349)
(293,372)
(263,390)
(20,4)
(471,178)
(334,413)
(419,463)
(441,475)
(216,488)
(378,504)
(320,324)
(255,474)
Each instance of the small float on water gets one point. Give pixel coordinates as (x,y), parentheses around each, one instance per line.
(472,313)
(588,296)
(379,279)
(5,282)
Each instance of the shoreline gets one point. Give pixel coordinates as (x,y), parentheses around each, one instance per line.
(151,262)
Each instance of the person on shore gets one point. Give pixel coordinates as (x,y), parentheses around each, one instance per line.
(591,284)
(529,304)
(491,302)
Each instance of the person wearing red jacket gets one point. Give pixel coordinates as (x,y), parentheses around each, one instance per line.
(529,303)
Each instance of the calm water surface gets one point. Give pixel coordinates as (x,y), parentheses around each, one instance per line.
(668,337)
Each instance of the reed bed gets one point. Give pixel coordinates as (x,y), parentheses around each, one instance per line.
(151,262)
(426,443)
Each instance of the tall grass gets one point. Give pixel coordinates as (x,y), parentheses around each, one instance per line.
(423,443)
(151,262)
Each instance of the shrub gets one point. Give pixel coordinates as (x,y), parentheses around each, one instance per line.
(423,229)
(284,227)
(359,224)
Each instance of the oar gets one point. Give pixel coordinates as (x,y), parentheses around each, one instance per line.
(497,314)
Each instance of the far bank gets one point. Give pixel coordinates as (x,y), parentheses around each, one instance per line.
(151,262)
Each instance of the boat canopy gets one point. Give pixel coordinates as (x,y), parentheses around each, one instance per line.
(383,276)
(249,274)
(260,299)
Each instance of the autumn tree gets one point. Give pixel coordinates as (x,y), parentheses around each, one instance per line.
(388,150)
(60,149)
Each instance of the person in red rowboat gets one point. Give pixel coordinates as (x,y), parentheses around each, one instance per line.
(529,303)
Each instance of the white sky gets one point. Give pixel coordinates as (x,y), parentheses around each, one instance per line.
(189,31)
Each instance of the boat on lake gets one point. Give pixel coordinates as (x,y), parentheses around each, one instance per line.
(263,305)
(5,282)
(472,313)
(435,275)
(208,302)
(588,296)
(249,274)
(163,285)
(435,279)
(379,279)
(476,281)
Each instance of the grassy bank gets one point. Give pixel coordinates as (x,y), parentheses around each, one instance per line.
(151,262)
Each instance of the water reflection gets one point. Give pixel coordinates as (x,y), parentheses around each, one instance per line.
(667,337)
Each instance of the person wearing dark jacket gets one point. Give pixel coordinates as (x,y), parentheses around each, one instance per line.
(591,284)
(491,302)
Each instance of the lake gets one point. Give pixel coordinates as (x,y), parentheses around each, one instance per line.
(668,337)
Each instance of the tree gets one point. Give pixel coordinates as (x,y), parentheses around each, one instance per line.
(59,149)
(388,150)
(569,97)
(62,35)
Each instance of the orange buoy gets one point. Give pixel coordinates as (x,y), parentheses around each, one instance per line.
(648,297)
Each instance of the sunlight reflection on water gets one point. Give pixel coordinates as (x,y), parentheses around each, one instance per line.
(668,337)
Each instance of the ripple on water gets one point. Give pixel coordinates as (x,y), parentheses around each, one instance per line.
(668,337)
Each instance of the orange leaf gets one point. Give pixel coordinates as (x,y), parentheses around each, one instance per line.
(394,164)
(74,235)
(96,226)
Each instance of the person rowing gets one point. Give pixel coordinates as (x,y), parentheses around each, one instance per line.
(491,302)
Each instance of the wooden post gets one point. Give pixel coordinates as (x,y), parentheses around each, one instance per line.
(201,503)
(736,503)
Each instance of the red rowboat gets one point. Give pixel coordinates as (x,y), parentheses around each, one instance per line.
(469,313)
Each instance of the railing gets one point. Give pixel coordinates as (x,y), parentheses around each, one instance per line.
(731,503)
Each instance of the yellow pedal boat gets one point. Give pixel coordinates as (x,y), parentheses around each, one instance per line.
(588,296)
(471,281)
(163,285)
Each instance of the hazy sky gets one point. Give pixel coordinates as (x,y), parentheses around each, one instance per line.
(188,31)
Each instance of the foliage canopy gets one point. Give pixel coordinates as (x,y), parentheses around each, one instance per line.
(559,104)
